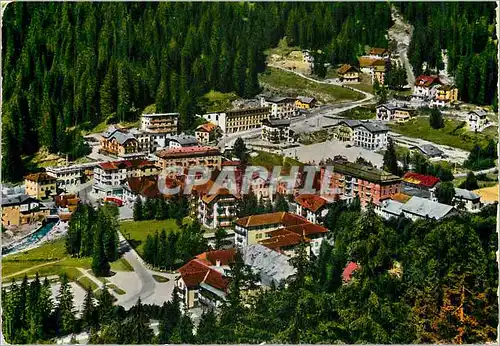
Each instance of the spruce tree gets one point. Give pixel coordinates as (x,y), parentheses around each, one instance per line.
(65,309)
(281,203)
(100,265)
(138,330)
(162,249)
(89,311)
(390,158)
(138,209)
(105,309)
(149,250)
(207,330)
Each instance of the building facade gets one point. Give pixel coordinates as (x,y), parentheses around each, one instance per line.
(276,131)
(370,136)
(118,142)
(303,102)
(217,210)
(468,200)
(206,133)
(350,179)
(348,74)
(311,207)
(476,119)
(390,112)
(445,95)
(280,107)
(426,86)
(165,123)
(189,157)
(239,120)
(21,210)
(40,185)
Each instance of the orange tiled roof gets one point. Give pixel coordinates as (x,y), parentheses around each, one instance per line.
(39,177)
(346,68)
(286,219)
(187,151)
(311,202)
(224,256)
(378,51)
(401,197)
(370,62)
(283,239)
(207,127)
(427,81)
(220,192)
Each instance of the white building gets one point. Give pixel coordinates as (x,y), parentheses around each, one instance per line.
(276,131)
(281,107)
(469,200)
(370,136)
(70,177)
(426,87)
(391,112)
(109,176)
(160,123)
(181,141)
(477,119)
(415,208)
(312,207)
(217,210)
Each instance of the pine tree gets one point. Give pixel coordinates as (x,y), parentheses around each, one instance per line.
(390,158)
(12,165)
(89,311)
(34,314)
(105,309)
(207,331)
(149,250)
(65,308)
(162,249)
(149,209)
(100,265)
(436,119)
(170,318)
(281,203)
(471,181)
(268,206)
(171,251)
(138,209)
(138,330)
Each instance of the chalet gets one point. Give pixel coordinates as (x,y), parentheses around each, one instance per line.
(445,95)
(391,112)
(428,150)
(206,133)
(21,210)
(281,107)
(303,102)
(379,52)
(40,185)
(203,281)
(468,200)
(118,142)
(348,74)
(476,119)
(312,207)
(277,131)
(426,86)
(375,67)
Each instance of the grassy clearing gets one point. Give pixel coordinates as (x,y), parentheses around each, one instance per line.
(483,180)
(48,259)
(454,133)
(121,265)
(288,83)
(116,289)
(85,283)
(160,279)
(139,230)
(215,101)
(269,161)
(282,49)
(359,113)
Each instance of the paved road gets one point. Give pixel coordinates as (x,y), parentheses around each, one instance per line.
(484,171)
(148,284)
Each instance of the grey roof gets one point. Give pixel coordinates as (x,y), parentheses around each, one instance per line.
(122,137)
(305,99)
(183,140)
(277,122)
(279,99)
(271,265)
(109,132)
(478,112)
(429,150)
(392,207)
(349,122)
(426,208)
(392,106)
(373,127)
(15,200)
(466,194)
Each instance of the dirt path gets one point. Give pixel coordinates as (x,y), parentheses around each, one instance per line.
(29,269)
(401,33)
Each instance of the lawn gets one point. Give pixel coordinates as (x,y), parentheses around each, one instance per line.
(359,113)
(215,101)
(454,134)
(288,83)
(48,259)
(121,265)
(160,279)
(269,161)
(139,230)
(85,283)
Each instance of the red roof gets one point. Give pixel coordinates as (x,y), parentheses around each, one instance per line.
(224,256)
(420,179)
(199,269)
(311,202)
(427,81)
(187,151)
(281,239)
(231,163)
(348,270)
(207,127)
(124,164)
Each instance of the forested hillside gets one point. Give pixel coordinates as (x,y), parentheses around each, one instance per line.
(467,31)
(68,64)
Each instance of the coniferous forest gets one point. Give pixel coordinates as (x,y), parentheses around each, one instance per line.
(69,66)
